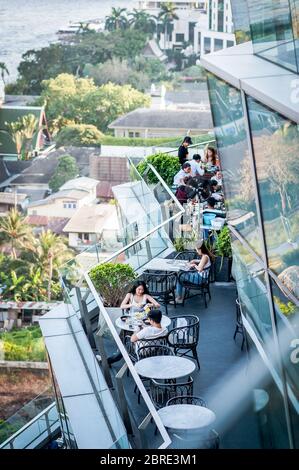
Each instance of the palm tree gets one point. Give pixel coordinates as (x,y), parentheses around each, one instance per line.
(14,230)
(35,289)
(14,130)
(50,252)
(3,71)
(167,15)
(117,19)
(29,128)
(21,133)
(12,286)
(143,21)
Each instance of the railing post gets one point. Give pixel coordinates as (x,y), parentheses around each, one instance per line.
(122,399)
(104,361)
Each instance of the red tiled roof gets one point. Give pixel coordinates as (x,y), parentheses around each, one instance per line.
(55,224)
(104,189)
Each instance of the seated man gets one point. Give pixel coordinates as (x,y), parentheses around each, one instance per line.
(155,330)
(196,168)
(185,191)
(215,190)
(185,171)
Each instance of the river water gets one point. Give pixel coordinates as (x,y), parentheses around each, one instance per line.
(31,24)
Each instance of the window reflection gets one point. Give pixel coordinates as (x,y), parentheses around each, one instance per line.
(276,149)
(274,30)
(249,276)
(238,177)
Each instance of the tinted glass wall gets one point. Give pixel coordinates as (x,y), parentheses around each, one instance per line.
(274,31)
(241,20)
(259,153)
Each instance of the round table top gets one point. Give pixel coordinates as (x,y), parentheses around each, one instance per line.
(164,367)
(165,322)
(186,416)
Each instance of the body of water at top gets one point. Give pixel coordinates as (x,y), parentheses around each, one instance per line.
(32,24)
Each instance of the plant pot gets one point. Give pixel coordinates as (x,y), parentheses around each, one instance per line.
(223,268)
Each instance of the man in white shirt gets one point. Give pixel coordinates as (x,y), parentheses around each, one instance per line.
(185,171)
(155,330)
(196,168)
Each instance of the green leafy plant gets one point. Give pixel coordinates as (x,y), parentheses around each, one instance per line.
(166,165)
(223,243)
(79,135)
(286,308)
(24,345)
(222,247)
(112,281)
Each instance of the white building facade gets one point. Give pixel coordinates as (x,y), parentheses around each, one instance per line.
(215,30)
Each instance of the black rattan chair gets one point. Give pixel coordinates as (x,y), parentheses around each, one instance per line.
(192,282)
(161,392)
(133,347)
(239,324)
(184,336)
(153,350)
(186,400)
(161,286)
(187,255)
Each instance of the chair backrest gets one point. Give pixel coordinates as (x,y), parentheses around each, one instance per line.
(132,348)
(161,393)
(154,350)
(186,400)
(184,335)
(187,255)
(160,283)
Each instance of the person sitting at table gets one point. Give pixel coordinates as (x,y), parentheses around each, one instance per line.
(205,191)
(215,191)
(217,177)
(211,157)
(185,171)
(138,298)
(155,330)
(196,167)
(197,266)
(185,191)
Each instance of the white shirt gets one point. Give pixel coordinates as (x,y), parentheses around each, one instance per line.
(196,168)
(178,178)
(151,332)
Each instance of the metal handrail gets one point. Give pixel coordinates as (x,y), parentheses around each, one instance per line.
(43,413)
(199,144)
(129,364)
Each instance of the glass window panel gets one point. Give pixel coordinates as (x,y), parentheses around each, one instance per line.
(241,20)
(249,276)
(272,31)
(238,179)
(276,149)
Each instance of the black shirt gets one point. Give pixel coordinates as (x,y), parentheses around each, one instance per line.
(182,154)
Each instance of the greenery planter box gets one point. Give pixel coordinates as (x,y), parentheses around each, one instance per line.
(222,269)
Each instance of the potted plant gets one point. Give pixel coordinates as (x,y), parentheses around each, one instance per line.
(112,281)
(223,253)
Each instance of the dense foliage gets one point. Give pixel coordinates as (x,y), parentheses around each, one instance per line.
(66,170)
(71,100)
(79,135)
(23,345)
(112,281)
(166,165)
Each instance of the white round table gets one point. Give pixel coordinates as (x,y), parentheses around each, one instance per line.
(164,367)
(165,322)
(183,417)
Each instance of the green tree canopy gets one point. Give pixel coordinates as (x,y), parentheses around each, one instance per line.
(79,135)
(66,170)
(79,101)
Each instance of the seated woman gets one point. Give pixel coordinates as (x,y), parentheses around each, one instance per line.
(198,265)
(138,298)
(211,157)
(155,330)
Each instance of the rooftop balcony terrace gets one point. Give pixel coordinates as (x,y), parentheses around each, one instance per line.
(121,398)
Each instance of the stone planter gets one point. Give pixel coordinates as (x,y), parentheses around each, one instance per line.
(222,269)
